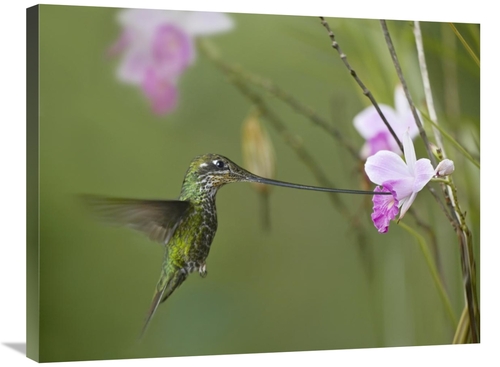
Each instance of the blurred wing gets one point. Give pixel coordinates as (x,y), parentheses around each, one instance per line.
(158,219)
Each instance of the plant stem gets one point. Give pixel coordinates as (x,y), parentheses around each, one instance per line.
(366,92)
(463,328)
(468,264)
(395,60)
(466,45)
(427,85)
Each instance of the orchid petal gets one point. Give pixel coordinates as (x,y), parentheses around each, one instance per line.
(380,141)
(172,50)
(134,64)
(162,93)
(405,115)
(195,23)
(406,203)
(206,23)
(408,123)
(385,166)
(385,208)
(403,187)
(369,123)
(144,21)
(400,101)
(409,151)
(423,174)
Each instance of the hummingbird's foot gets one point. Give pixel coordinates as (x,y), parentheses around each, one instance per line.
(203,270)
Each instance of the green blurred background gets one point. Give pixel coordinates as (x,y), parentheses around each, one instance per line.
(308,284)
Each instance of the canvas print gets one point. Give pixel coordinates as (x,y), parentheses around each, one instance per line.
(204,183)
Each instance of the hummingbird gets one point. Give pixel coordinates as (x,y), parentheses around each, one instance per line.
(185,227)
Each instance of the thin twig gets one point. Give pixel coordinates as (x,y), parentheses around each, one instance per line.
(394,57)
(295,104)
(366,92)
(427,85)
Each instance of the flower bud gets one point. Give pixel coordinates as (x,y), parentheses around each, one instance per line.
(445,168)
(258,152)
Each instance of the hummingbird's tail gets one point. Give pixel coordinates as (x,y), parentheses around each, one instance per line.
(171,278)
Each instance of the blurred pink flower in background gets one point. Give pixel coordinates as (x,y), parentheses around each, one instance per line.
(371,127)
(157,46)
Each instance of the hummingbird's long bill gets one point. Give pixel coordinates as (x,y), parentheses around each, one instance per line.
(268,181)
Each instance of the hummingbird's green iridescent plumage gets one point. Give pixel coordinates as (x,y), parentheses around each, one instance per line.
(187,226)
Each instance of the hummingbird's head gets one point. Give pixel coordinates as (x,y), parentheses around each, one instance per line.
(211,171)
(216,170)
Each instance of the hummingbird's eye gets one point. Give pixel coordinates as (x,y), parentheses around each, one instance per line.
(219,164)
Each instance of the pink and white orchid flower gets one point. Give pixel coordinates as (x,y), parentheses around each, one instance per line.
(370,126)
(403,179)
(157,47)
